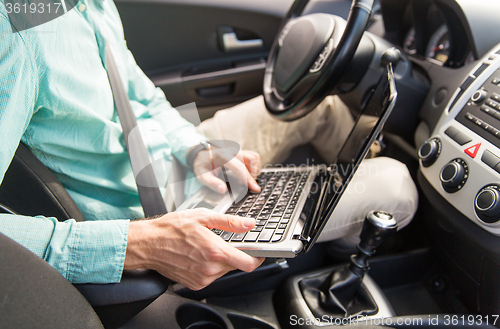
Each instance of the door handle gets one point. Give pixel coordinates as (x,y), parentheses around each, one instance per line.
(230,42)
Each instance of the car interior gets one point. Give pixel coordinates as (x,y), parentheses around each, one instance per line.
(442,270)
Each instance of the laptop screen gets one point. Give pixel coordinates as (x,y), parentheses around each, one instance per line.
(366,129)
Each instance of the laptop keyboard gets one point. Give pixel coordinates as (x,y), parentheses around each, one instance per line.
(272,207)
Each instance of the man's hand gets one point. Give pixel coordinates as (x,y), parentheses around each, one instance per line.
(246,165)
(181,246)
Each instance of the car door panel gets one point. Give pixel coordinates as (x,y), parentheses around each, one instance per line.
(179,44)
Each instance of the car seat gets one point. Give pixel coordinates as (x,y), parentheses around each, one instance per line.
(30,189)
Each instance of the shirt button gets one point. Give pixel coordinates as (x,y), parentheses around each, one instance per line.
(82,7)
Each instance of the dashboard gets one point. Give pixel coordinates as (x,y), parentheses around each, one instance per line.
(450,69)
(453,46)
(446,42)
(460,158)
(428,30)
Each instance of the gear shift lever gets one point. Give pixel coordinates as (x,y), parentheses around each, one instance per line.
(341,294)
(378,226)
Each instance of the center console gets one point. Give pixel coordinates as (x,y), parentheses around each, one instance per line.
(461,160)
(460,179)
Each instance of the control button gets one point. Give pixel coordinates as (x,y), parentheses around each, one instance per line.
(478,122)
(470,117)
(486,200)
(491,103)
(493,113)
(429,151)
(490,159)
(495,81)
(495,132)
(488,110)
(451,131)
(479,96)
(496,97)
(472,151)
(426,149)
(487,204)
(454,175)
(475,120)
(487,126)
(461,138)
(458,136)
(481,69)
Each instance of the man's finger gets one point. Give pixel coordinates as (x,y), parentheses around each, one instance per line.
(238,168)
(240,156)
(252,162)
(237,258)
(213,182)
(252,184)
(229,223)
(241,260)
(242,173)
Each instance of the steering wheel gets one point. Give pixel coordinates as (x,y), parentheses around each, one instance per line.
(309,56)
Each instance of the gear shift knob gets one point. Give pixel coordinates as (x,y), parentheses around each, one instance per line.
(378,226)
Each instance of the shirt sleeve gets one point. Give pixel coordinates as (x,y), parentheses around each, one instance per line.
(143,94)
(18,88)
(81,252)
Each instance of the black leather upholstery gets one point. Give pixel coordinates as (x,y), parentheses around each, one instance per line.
(137,285)
(35,295)
(30,189)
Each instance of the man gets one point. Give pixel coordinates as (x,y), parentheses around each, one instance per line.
(55,97)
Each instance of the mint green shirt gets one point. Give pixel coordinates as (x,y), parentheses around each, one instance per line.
(55,97)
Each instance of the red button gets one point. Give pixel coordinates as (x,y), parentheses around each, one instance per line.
(472,151)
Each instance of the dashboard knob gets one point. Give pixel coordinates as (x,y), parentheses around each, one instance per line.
(429,151)
(487,204)
(479,96)
(452,174)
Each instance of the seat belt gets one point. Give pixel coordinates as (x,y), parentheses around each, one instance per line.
(149,192)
